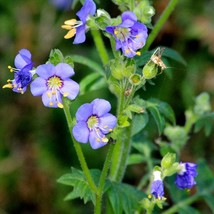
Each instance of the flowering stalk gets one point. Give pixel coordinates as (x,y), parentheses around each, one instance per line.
(164,16)
(102,179)
(77,147)
(100,46)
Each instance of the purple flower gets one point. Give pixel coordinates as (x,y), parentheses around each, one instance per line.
(185,179)
(130,35)
(79,27)
(157,188)
(22,72)
(93,123)
(53,83)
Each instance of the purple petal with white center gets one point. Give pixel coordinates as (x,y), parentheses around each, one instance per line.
(81,132)
(80,35)
(22,58)
(95,141)
(106,122)
(89,8)
(45,70)
(63,70)
(84,112)
(71,88)
(38,86)
(101,107)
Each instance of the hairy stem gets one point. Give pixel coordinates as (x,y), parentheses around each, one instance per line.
(164,16)
(102,180)
(77,146)
(100,46)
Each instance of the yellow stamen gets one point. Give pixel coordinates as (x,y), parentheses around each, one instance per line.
(110,130)
(116,32)
(53,92)
(60,105)
(8,86)
(65,94)
(105,127)
(66,27)
(104,140)
(149,196)
(70,22)
(98,139)
(49,94)
(70,33)
(138,53)
(127,51)
(51,103)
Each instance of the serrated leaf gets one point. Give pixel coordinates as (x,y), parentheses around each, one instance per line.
(81,188)
(124,198)
(139,122)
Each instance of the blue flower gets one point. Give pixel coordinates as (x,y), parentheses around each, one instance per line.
(22,72)
(93,123)
(157,188)
(130,35)
(79,28)
(53,82)
(185,179)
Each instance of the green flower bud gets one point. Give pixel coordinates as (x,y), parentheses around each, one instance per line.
(168,160)
(150,70)
(202,104)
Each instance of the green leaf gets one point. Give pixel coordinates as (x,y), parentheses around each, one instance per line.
(124,198)
(188,210)
(209,199)
(165,109)
(139,122)
(206,122)
(78,181)
(159,119)
(172,54)
(88,62)
(88,81)
(135,159)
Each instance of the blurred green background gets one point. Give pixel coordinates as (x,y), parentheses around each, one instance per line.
(35,147)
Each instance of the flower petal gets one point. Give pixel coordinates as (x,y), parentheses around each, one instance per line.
(95,141)
(107,123)
(64,70)
(80,35)
(81,132)
(157,189)
(89,8)
(53,100)
(84,112)
(101,107)
(38,86)
(22,58)
(45,70)
(70,89)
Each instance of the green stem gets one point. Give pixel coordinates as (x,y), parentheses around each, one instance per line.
(181,204)
(100,46)
(102,180)
(77,146)
(168,10)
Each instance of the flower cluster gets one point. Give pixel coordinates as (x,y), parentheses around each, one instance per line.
(22,72)
(130,35)
(185,179)
(93,123)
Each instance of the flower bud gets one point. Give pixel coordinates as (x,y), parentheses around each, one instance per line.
(150,70)
(135,79)
(168,160)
